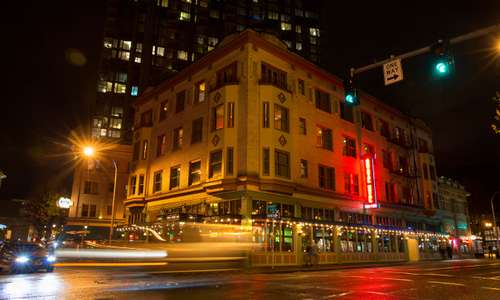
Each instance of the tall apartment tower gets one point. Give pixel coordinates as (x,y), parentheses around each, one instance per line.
(146,41)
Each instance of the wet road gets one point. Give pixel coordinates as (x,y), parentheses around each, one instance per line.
(465,279)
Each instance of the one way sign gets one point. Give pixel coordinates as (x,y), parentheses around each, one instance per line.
(393,72)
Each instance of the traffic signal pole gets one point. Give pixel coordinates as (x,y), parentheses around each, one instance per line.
(455,40)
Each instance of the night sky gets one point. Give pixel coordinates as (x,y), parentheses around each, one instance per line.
(45,97)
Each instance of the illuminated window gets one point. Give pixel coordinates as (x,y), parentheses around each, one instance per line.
(281,164)
(104,132)
(183,55)
(105,86)
(298,29)
(162,3)
(303,168)
(298,46)
(115,123)
(218,117)
(124,55)
(302,126)
(197,131)
(349,148)
(160,51)
(133,182)
(125,45)
(114,133)
(288,43)
(175,177)
(108,43)
(215,164)
(351,184)
(280,118)
(326,177)
(286,26)
(157,181)
(313,41)
(184,16)
(120,88)
(324,138)
(161,143)
(145,149)
(178,138)
(137,59)
(138,47)
(230,115)
(314,31)
(163,110)
(194,172)
(134,90)
(180,101)
(200,92)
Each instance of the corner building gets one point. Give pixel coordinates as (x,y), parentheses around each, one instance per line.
(254,134)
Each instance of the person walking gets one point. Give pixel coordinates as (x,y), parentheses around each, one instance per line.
(449,250)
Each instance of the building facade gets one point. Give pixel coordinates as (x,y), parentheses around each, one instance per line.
(148,39)
(92,190)
(453,208)
(256,135)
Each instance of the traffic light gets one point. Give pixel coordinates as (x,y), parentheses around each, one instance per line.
(442,59)
(350,93)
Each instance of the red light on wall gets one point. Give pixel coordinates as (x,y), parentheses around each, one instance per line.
(370,180)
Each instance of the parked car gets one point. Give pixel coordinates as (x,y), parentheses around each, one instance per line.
(18,257)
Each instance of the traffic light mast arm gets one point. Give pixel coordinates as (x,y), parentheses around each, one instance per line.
(455,40)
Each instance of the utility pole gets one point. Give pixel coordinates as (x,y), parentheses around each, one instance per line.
(455,40)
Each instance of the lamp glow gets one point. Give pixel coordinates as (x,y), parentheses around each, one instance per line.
(88,151)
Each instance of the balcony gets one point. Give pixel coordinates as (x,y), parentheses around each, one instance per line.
(221,84)
(402,172)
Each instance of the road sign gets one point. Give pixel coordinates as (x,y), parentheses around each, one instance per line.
(393,72)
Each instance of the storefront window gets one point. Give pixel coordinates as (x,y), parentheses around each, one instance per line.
(346,241)
(323,237)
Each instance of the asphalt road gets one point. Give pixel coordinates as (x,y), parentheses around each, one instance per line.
(458,279)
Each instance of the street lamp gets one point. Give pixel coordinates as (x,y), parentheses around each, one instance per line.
(494,220)
(89,151)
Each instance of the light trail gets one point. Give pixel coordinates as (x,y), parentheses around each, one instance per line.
(108,253)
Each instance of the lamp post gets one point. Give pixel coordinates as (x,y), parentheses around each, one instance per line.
(89,151)
(113,203)
(494,220)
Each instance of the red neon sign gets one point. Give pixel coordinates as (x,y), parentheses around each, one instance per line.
(370,180)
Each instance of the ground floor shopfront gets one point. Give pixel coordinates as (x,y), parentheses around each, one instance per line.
(282,228)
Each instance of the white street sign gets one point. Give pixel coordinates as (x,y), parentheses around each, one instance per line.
(393,72)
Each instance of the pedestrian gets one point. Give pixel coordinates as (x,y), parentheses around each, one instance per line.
(314,253)
(307,256)
(442,251)
(450,252)
(490,251)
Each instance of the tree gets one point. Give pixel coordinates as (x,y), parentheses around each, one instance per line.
(496,124)
(41,211)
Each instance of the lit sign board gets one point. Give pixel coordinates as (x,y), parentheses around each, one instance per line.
(64,202)
(370,180)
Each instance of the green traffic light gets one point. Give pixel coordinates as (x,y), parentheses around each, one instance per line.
(442,68)
(349,98)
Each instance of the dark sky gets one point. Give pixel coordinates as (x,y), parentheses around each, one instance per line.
(45,96)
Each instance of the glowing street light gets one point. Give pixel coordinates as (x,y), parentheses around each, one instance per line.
(88,151)
(488,224)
